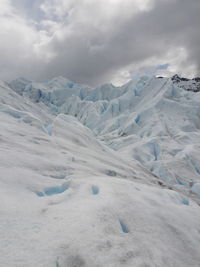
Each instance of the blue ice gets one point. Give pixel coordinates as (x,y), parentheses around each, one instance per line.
(124,227)
(53,190)
(137,119)
(185,202)
(49,129)
(95,190)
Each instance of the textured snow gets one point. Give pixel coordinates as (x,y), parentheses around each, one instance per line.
(102,177)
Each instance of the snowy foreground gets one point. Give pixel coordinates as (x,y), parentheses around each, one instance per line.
(101,177)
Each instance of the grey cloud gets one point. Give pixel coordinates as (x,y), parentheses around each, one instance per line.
(93,50)
(29,9)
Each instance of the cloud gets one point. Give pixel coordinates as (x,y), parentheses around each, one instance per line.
(17,38)
(95,41)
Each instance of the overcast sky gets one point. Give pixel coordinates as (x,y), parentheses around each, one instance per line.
(98,41)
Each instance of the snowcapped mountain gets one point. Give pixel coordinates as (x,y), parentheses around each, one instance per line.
(100,177)
(187,84)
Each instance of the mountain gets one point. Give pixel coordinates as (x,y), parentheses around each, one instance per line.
(100,177)
(187,84)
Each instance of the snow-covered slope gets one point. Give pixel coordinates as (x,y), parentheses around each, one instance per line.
(101,177)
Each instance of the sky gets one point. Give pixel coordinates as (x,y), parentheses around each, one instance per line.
(98,41)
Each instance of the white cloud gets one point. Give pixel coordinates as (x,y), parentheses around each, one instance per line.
(5,7)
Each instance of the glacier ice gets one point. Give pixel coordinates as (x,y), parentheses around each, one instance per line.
(94,177)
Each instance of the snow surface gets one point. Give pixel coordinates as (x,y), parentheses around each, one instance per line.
(102,177)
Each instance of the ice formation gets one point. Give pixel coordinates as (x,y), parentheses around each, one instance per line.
(100,177)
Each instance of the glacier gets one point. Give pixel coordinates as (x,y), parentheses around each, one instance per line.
(100,177)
